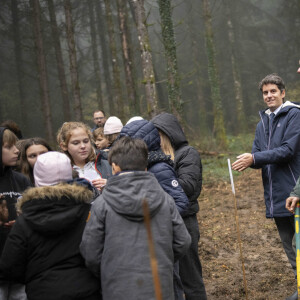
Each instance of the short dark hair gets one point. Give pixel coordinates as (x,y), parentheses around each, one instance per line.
(272,79)
(13,126)
(129,154)
(99,110)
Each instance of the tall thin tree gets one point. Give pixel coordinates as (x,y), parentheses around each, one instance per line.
(73,62)
(127,58)
(240,114)
(19,62)
(42,69)
(101,28)
(97,76)
(198,109)
(219,128)
(174,93)
(59,62)
(118,99)
(146,55)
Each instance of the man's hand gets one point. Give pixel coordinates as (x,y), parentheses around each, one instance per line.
(243,162)
(290,204)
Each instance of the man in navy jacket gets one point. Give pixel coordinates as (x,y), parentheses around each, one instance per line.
(276,149)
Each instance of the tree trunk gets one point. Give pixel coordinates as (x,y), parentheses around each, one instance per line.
(134,107)
(105,56)
(174,93)
(19,63)
(118,99)
(241,120)
(97,75)
(42,69)
(73,62)
(60,62)
(198,107)
(146,56)
(214,81)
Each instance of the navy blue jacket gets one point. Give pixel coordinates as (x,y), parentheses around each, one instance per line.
(102,165)
(158,163)
(278,154)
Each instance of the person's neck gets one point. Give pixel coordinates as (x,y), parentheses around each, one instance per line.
(80,164)
(276,110)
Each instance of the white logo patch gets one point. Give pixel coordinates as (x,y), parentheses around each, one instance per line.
(174,183)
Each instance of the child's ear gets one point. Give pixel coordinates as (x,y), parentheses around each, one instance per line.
(64,148)
(115,168)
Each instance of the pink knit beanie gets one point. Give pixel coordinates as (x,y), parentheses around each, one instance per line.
(51,168)
(113,125)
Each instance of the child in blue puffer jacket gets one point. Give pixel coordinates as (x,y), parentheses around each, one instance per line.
(159,164)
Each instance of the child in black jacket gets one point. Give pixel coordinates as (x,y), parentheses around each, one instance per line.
(12,184)
(42,250)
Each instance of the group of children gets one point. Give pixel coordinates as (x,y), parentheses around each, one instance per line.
(72,223)
(80,232)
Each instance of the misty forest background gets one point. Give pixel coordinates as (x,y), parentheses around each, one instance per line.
(199,59)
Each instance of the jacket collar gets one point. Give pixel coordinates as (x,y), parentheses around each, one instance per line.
(286,106)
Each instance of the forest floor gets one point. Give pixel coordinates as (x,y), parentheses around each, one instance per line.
(268,272)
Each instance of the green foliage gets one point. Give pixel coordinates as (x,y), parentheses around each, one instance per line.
(215,165)
(240,143)
(293,92)
(215,169)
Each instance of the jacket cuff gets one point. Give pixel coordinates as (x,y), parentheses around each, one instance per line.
(293,194)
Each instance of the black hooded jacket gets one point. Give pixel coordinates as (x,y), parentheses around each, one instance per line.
(187,162)
(12,184)
(42,249)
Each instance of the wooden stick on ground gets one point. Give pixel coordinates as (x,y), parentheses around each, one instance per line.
(238,229)
(153,260)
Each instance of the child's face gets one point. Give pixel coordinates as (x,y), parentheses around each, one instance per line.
(33,152)
(101,142)
(9,155)
(79,146)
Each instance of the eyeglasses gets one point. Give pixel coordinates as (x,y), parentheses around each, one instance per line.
(99,118)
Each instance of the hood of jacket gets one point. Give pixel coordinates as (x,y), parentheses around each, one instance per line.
(284,109)
(125,194)
(264,114)
(54,209)
(145,130)
(169,124)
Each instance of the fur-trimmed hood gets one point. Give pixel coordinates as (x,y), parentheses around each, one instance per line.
(54,209)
